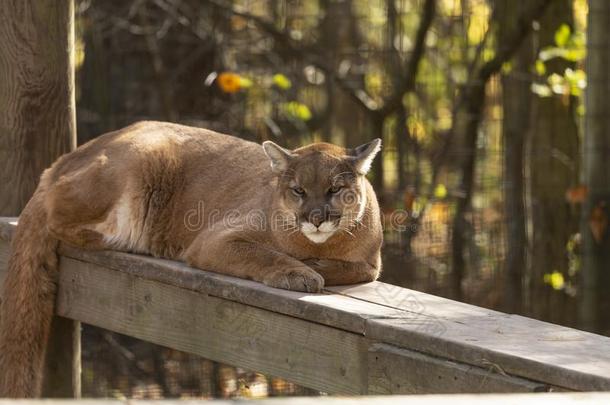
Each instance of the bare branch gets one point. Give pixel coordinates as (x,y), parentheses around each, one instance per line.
(406,83)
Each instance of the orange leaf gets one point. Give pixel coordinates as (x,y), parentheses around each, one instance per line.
(408,199)
(577,194)
(598,221)
(229,82)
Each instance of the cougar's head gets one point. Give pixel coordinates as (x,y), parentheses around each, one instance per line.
(321,187)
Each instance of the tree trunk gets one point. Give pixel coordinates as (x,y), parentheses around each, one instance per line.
(37,122)
(37,125)
(465,131)
(595,300)
(340,36)
(516,100)
(468,120)
(553,169)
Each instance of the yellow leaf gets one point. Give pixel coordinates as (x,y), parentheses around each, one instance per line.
(297,110)
(245,83)
(562,35)
(540,67)
(555,280)
(282,81)
(440,191)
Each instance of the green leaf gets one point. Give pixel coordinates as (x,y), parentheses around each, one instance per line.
(440,191)
(245,83)
(282,81)
(297,110)
(540,67)
(555,280)
(574,54)
(562,35)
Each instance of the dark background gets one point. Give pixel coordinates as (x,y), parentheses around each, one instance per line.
(483,179)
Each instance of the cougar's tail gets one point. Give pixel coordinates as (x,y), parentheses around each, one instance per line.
(28,298)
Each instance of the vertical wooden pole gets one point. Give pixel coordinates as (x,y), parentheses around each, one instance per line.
(37,113)
(595,302)
(37,125)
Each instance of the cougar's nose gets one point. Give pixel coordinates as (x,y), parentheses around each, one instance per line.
(315,217)
(316,220)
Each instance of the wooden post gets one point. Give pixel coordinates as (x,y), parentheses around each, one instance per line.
(37,125)
(594,302)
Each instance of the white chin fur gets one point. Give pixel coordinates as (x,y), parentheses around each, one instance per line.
(318,235)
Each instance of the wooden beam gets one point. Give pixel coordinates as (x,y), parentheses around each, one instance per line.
(314,355)
(361,339)
(392,370)
(37,125)
(37,109)
(461,399)
(512,344)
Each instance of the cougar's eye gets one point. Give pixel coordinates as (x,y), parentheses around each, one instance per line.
(335,189)
(298,191)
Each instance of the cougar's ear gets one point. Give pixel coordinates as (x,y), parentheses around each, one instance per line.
(362,156)
(280,158)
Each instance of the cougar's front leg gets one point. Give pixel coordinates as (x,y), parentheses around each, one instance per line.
(250,260)
(339,272)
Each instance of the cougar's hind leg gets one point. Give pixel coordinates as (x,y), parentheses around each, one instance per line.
(79,204)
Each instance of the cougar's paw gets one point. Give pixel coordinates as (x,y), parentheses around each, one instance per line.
(295,279)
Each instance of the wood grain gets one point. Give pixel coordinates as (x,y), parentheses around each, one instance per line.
(276,331)
(399,371)
(525,347)
(313,355)
(327,309)
(588,398)
(37,122)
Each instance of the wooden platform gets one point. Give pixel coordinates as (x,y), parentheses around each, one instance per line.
(372,338)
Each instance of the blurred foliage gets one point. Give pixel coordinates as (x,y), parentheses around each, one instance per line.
(298,71)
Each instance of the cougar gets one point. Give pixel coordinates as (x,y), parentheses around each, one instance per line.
(294,219)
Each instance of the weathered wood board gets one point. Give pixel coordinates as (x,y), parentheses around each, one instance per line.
(588,398)
(392,370)
(311,354)
(513,344)
(372,337)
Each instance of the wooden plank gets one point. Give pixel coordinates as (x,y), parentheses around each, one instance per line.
(328,309)
(399,371)
(7,227)
(4,252)
(463,399)
(433,326)
(465,333)
(543,352)
(307,353)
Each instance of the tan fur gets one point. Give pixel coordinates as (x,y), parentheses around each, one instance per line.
(186,194)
